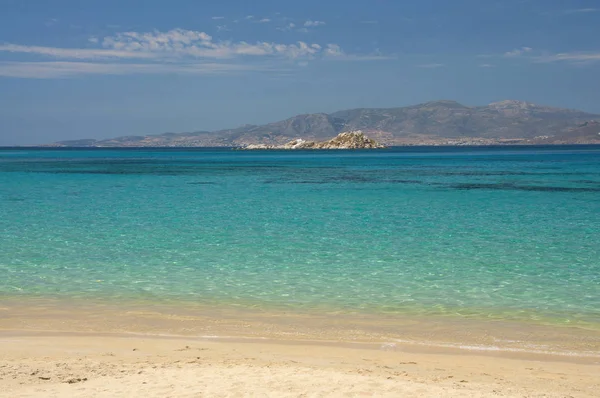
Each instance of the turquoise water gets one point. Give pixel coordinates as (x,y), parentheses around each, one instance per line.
(506,233)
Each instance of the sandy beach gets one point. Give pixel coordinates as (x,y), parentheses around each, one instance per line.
(86,365)
(62,351)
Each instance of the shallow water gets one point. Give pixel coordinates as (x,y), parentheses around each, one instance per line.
(484,233)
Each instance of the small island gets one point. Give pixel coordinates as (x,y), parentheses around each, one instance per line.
(347,140)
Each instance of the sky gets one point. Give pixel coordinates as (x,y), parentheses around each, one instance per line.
(73,69)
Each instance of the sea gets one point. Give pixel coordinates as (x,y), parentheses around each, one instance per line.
(500,233)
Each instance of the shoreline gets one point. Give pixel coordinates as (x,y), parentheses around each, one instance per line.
(447,333)
(392,345)
(86,349)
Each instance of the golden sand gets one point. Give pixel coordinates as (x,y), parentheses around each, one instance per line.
(93,350)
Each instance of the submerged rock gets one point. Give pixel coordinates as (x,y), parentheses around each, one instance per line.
(347,140)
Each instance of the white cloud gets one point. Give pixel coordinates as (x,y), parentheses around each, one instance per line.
(217,18)
(249,17)
(334,50)
(176,43)
(195,44)
(174,51)
(518,51)
(264,20)
(312,24)
(486,66)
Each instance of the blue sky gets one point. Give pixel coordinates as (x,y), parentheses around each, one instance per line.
(82,69)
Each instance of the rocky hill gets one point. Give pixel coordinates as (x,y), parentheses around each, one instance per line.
(431,123)
(347,140)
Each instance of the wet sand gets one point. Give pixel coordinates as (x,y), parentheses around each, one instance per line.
(90,350)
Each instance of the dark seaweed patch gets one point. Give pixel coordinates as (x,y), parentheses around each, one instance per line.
(351,178)
(514,187)
(397,181)
(595,182)
(342,179)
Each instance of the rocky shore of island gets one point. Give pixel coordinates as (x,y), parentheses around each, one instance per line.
(347,140)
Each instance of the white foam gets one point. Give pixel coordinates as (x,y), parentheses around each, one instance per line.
(481,347)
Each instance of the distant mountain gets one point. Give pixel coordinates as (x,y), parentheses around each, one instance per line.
(431,123)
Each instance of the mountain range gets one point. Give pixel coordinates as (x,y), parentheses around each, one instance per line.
(431,123)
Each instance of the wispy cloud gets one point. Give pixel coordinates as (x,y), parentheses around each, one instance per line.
(431,66)
(51,22)
(217,18)
(575,57)
(176,43)
(61,69)
(361,57)
(581,10)
(312,24)
(518,51)
(287,27)
(536,56)
(264,20)
(74,53)
(174,51)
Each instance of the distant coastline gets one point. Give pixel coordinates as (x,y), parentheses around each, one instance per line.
(466,144)
(437,123)
(458,145)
